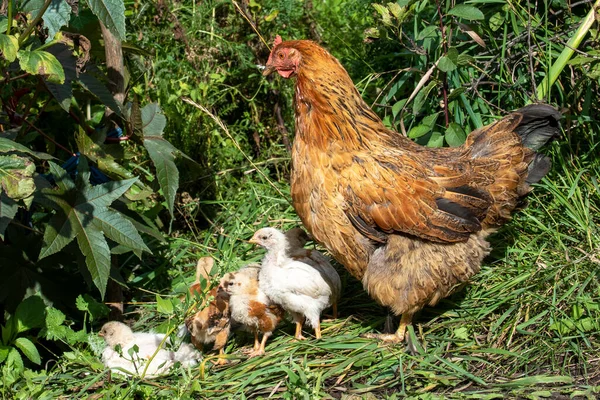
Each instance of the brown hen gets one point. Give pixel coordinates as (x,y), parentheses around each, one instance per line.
(410,222)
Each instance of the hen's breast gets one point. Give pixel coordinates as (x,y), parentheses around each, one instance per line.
(318,202)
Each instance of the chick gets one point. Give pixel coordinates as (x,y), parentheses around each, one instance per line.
(211,323)
(250,306)
(297,286)
(129,360)
(297,238)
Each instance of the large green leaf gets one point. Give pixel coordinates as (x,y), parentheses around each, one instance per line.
(8,210)
(56,16)
(7,145)
(112,15)
(162,153)
(30,314)
(16,177)
(63,92)
(9,45)
(39,62)
(28,348)
(98,89)
(467,12)
(82,212)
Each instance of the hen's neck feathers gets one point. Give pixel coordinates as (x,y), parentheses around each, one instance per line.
(329,107)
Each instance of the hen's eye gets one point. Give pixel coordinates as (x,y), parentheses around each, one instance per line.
(280,55)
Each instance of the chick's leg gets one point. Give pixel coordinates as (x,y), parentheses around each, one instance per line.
(261,348)
(318,329)
(299,320)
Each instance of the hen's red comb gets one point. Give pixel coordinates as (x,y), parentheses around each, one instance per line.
(277,41)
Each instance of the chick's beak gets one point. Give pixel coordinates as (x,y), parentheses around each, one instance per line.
(101,334)
(253,240)
(269,68)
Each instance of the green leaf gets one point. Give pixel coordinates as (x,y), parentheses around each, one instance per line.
(112,15)
(419,131)
(386,16)
(78,211)
(16,177)
(9,45)
(8,210)
(272,15)
(98,89)
(14,361)
(28,348)
(153,120)
(163,306)
(421,97)
(96,309)
(118,228)
(4,350)
(54,320)
(427,32)
(30,314)
(467,12)
(7,145)
(56,16)
(436,140)
(63,92)
(161,152)
(397,107)
(39,62)
(496,21)
(446,64)
(96,153)
(455,135)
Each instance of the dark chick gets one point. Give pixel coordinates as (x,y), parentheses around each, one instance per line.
(410,222)
(210,321)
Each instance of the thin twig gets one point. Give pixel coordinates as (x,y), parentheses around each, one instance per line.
(237,6)
(49,138)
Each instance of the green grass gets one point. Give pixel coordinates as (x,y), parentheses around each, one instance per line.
(526,326)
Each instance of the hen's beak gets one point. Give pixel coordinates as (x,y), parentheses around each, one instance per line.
(268,70)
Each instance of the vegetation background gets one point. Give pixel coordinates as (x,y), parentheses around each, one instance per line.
(112,185)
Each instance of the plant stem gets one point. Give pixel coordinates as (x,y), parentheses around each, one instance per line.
(544,88)
(9,16)
(33,23)
(444,74)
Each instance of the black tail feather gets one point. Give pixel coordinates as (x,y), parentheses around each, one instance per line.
(538,168)
(540,124)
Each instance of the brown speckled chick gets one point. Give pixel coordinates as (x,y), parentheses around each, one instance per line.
(211,322)
(250,306)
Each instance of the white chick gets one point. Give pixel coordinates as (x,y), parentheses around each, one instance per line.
(297,238)
(116,333)
(298,287)
(250,306)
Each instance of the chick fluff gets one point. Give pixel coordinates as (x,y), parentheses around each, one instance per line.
(117,334)
(250,307)
(297,286)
